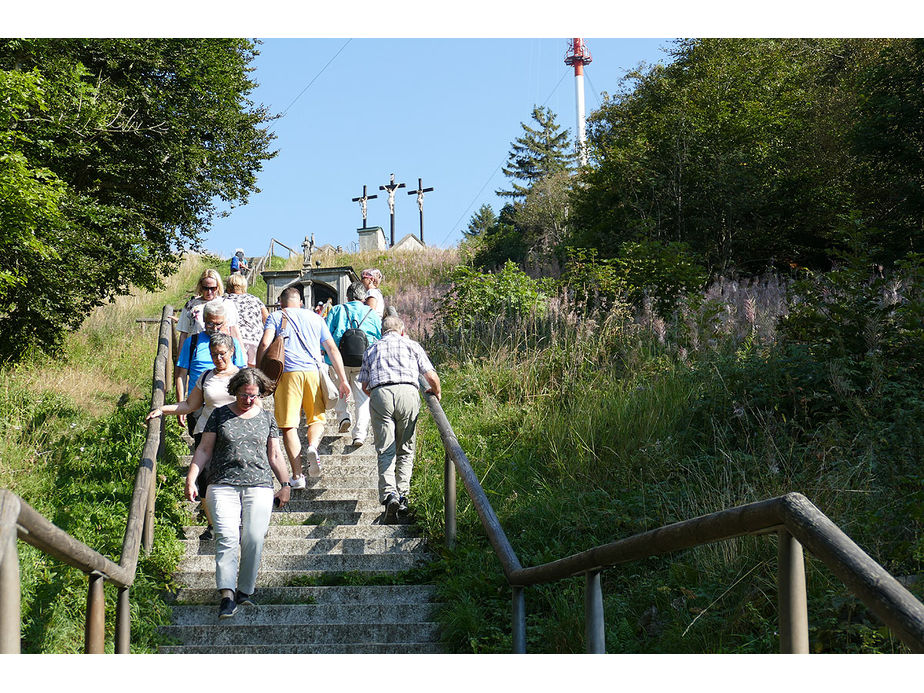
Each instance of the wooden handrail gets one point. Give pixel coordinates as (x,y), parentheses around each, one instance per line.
(18,517)
(792,517)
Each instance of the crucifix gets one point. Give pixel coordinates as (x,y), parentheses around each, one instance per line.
(391,187)
(362,203)
(420,193)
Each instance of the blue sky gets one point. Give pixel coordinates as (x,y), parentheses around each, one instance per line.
(442,110)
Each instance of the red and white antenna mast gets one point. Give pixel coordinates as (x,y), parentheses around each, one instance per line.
(578,55)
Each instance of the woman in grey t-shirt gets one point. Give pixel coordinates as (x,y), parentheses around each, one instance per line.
(240,445)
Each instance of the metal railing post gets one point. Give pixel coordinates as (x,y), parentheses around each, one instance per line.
(594,631)
(449,500)
(95,630)
(519,620)
(793,604)
(123,625)
(10,597)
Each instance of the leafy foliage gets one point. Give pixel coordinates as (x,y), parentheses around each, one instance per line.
(113,153)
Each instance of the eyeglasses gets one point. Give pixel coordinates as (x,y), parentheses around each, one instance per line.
(214,325)
(222,354)
(244,395)
(210,288)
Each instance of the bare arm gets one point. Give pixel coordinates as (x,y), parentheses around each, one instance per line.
(279,469)
(268,335)
(188,406)
(372,302)
(264,314)
(333,353)
(199,462)
(434,380)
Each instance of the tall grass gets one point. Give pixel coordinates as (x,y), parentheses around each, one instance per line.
(584,428)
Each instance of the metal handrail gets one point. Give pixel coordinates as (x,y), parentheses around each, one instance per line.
(18,518)
(795,520)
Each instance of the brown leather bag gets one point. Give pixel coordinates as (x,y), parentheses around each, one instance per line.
(274,358)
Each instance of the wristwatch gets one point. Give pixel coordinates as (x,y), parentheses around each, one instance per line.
(285,483)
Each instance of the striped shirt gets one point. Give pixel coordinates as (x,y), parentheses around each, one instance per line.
(394,359)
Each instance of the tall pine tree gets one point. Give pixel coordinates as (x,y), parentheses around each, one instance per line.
(541,151)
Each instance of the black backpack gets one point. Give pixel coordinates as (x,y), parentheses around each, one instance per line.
(353,344)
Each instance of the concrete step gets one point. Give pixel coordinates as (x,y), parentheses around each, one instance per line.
(340,532)
(199,578)
(409,648)
(274,546)
(304,614)
(340,493)
(316,563)
(234,632)
(328,518)
(321,594)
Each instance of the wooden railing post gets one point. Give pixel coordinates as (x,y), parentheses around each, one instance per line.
(449,500)
(793,603)
(147,531)
(123,627)
(10,594)
(95,630)
(594,631)
(519,620)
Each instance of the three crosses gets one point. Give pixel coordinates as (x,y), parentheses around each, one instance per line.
(391,188)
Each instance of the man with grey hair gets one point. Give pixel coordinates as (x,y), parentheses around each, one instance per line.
(195,357)
(354,326)
(390,374)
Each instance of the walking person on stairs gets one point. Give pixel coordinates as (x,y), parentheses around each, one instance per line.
(240,446)
(354,327)
(390,373)
(299,387)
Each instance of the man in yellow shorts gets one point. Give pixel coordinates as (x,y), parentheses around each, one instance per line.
(299,387)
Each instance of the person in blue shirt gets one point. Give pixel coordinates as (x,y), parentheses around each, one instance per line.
(195,357)
(354,314)
(238,263)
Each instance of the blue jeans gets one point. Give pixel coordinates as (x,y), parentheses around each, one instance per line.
(250,508)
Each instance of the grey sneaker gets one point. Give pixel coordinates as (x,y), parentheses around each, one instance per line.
(227,608)
(345,425)
(391,508)
(402,506)
(314,462)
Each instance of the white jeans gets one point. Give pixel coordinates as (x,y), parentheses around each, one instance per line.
(360,403)
(234,508)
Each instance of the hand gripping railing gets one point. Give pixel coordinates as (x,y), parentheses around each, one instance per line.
(17,517)
(795,520)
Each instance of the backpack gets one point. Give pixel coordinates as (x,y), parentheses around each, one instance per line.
(353,344)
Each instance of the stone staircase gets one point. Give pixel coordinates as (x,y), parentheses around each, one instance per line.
(332,527)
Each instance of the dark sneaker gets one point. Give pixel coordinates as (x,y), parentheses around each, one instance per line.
(391,508)
(227,608)
(345,425)
(402,506)
(207,535)
(245,599)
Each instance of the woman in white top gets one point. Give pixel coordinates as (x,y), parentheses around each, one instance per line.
(208,288)
(371,279)
(251,315)
(208,394)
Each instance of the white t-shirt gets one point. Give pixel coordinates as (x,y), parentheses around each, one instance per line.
(372,292)
(191,320)
(214,395)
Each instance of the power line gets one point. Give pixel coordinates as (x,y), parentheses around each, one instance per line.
(316,76)
(494,172)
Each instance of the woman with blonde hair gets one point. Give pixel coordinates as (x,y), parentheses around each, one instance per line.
(251,315)
(208,288)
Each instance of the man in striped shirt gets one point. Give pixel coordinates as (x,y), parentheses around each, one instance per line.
(389,375)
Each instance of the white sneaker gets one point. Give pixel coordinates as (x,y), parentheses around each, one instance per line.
(297,482)
(314,462)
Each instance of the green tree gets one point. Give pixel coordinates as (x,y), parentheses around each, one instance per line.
(541,151)
(481,222)
(739,148)
(114,154)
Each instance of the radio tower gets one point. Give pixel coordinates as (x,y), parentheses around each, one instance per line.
(579,55)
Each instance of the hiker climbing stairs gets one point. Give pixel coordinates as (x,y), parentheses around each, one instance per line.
(331,527)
